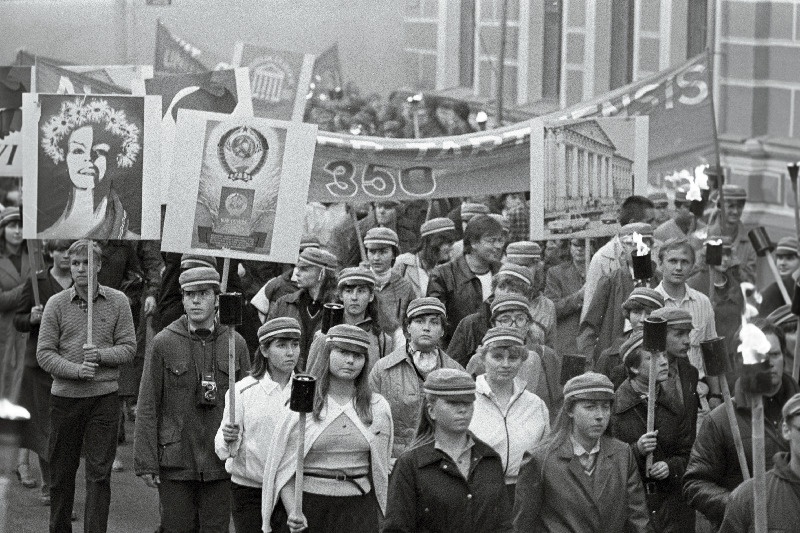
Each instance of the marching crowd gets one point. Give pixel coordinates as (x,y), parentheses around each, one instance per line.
(444,401)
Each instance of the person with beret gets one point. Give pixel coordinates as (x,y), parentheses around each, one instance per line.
(436,239)
(356,291)
(782,481)
(348,442)
(581,479)
(564,286)
(744,254)
(602,319)
(393,293)
(398,377)
(181,403)
(448,481)
(787,260)
(660,201)
(787,322)
(508,417)
(541,368)
(260,405)
(713,470)
(315,275)
(670,442)
(683,222)
(84,404)
(639,305)
(464,282)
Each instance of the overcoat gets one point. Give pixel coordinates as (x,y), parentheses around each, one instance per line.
(12,342)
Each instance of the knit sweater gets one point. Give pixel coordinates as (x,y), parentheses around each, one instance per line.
(62,335)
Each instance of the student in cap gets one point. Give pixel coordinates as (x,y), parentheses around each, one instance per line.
(661,212)
(787,322)
(508,417)
(449,481)
(523,253)
(182,395)
(574,479)
(470,210)
(639,305)
(683,222)
(564,287)
(392,292)
(436,239)
(670,443)
(347,446)
(782,482)
(399,376)
(260,405)
(355,289)
(788,262)
(315,275)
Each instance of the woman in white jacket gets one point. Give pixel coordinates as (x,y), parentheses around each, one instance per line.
(348,442)
(260,406)
(509,418)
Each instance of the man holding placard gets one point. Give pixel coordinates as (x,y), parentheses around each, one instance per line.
(84,360)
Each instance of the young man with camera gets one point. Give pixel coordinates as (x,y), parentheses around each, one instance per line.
(181,401)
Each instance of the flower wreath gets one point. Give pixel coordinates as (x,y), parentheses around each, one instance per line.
(75,114)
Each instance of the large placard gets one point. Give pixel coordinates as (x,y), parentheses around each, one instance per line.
(90,166)
(241,185)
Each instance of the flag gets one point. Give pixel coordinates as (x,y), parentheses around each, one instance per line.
(13,82)
(51,78)
(174,55)
(327,73)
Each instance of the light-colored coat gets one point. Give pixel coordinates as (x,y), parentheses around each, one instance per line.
(281,458)
(12,342)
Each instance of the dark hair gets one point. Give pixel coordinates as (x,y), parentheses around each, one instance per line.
(671,245)
(768,327)
(407,321)
(633,361)
(634,209)
(57,245)
(260,360)
(362,395)
(514,284)
(372,311)
(428,248)
(477,228)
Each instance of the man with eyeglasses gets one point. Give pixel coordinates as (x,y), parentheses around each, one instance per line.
(783,484)
(463,283)
(713,470)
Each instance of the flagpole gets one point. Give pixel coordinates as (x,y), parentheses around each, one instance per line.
(711,49)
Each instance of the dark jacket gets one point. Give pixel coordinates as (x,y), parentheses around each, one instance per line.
(295,306)
(783,501)
(772,297)
(48,286)
(458,288)
(554,493)
(174,436)
(428,494)
(713,469)
(674,443)
(469,334)
(564,287)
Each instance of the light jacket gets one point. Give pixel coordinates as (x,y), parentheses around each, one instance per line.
(555,495)
(281,457)
(260,405)
(174,437)
(511,431)
(407,267)
(395,378)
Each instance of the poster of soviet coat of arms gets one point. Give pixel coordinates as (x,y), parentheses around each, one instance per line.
(241,186)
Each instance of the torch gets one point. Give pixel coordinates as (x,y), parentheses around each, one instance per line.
(642,264)
(763,246)
(332,315)
(654,341)
(572,365)
(230,314)
(713,258)
(793,168)
(481,118)
(301,401)
(414,100)
(756,381)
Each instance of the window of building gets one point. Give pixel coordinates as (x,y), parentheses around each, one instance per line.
(697,27)
(621,64)
(466,51)
(551,58)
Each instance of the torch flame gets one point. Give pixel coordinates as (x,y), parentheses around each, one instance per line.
(754,344)
(641,247)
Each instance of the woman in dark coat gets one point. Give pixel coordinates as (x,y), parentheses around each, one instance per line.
(670,443)
(448,481)
(580,479)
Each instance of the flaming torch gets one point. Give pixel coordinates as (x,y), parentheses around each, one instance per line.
(642,264)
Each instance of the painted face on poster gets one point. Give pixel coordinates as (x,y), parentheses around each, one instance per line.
(250,179)
(90,167)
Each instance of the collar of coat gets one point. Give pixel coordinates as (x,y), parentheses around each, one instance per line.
(461,263)
(565,450)
(627,398)
(400,354)
(783,470)
(428,454)
(788,388)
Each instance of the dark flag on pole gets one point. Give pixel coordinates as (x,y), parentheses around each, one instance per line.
(52,78)
(175,55)
(327,73)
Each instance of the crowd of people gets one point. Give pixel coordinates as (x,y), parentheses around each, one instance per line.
(444,401)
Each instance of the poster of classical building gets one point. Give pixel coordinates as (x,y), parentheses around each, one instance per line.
(580,172)
(241,185)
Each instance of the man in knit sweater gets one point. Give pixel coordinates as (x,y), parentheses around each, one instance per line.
(84,405)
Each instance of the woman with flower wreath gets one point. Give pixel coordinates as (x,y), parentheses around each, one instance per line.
(91,142)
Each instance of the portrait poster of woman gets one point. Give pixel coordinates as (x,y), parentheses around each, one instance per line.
(248,178)
(90,166)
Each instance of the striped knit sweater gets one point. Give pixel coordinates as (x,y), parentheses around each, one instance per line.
(62,335)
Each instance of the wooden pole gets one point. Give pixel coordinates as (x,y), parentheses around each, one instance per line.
(737,434)
(796,361)
(298,472)
(90,292)
(651,407)
(32,266)
(361,248)
(226,272)
(232,374)
(759,464)
(778,281)
(501,68)
(587,254)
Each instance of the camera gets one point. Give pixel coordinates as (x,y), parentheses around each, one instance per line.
(207,393)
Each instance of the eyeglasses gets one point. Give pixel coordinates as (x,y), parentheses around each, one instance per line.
(516,320)
(494,241)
